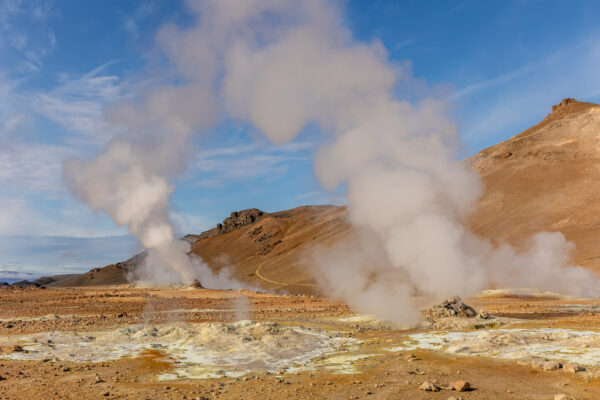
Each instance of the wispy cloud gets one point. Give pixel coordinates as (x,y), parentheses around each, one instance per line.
(77,103)
(246,161)
(24,29)
(400,45)
(32,167)
(504,105)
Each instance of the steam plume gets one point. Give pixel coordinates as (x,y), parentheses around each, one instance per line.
(281,65)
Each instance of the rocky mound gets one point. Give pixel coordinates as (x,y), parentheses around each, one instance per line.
(451,307)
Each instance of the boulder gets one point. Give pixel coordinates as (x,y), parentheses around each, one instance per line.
(573,368)
(459,386)
(429,387)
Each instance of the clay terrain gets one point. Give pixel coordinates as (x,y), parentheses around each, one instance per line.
(184,343)
(98,336)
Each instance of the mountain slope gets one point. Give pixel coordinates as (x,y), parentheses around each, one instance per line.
(546,178)
(262,249)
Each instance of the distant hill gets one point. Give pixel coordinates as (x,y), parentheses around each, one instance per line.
(264,248)
(546,178)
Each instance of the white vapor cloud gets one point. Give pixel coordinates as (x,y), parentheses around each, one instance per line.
(283,66)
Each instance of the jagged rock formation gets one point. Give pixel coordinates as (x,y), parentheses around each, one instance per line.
(239,219)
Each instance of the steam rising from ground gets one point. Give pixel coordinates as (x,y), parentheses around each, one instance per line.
(281,65)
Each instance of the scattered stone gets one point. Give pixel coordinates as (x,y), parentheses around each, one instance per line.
(540,363)
(459,386)
(573,368)
(429,387)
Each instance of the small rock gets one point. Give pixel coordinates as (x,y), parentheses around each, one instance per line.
(483,314)
(573,368)
(551,366)
(429,387)
(459,386)
(561,397)
(412,357)
(17,348)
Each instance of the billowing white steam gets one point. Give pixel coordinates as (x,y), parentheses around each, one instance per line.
(281,65)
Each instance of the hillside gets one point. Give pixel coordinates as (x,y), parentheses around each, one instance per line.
(264,248)
(546,178)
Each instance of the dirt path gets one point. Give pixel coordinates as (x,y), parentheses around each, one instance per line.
(259,276)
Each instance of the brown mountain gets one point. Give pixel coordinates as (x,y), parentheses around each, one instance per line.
(264,248)
(546,178)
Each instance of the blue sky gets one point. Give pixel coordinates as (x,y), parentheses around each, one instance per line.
(500,64)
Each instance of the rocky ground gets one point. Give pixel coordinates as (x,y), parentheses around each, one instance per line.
(318,348)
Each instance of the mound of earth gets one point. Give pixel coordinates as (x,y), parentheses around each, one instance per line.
(451,307)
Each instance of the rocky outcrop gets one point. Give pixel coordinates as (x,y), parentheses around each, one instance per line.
(451,307)
(239,219)
(563,103)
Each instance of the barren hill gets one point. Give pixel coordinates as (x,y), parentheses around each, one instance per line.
(546,178)
(264,249)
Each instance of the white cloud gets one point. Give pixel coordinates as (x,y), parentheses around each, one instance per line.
(77,104)
(24,29)
(32,167)
(504,105)
(245,161)
(20,216)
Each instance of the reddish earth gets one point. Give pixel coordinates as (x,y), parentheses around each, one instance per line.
(384,376)
(542,179)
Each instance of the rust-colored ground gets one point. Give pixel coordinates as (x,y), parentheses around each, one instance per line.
(388,375)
